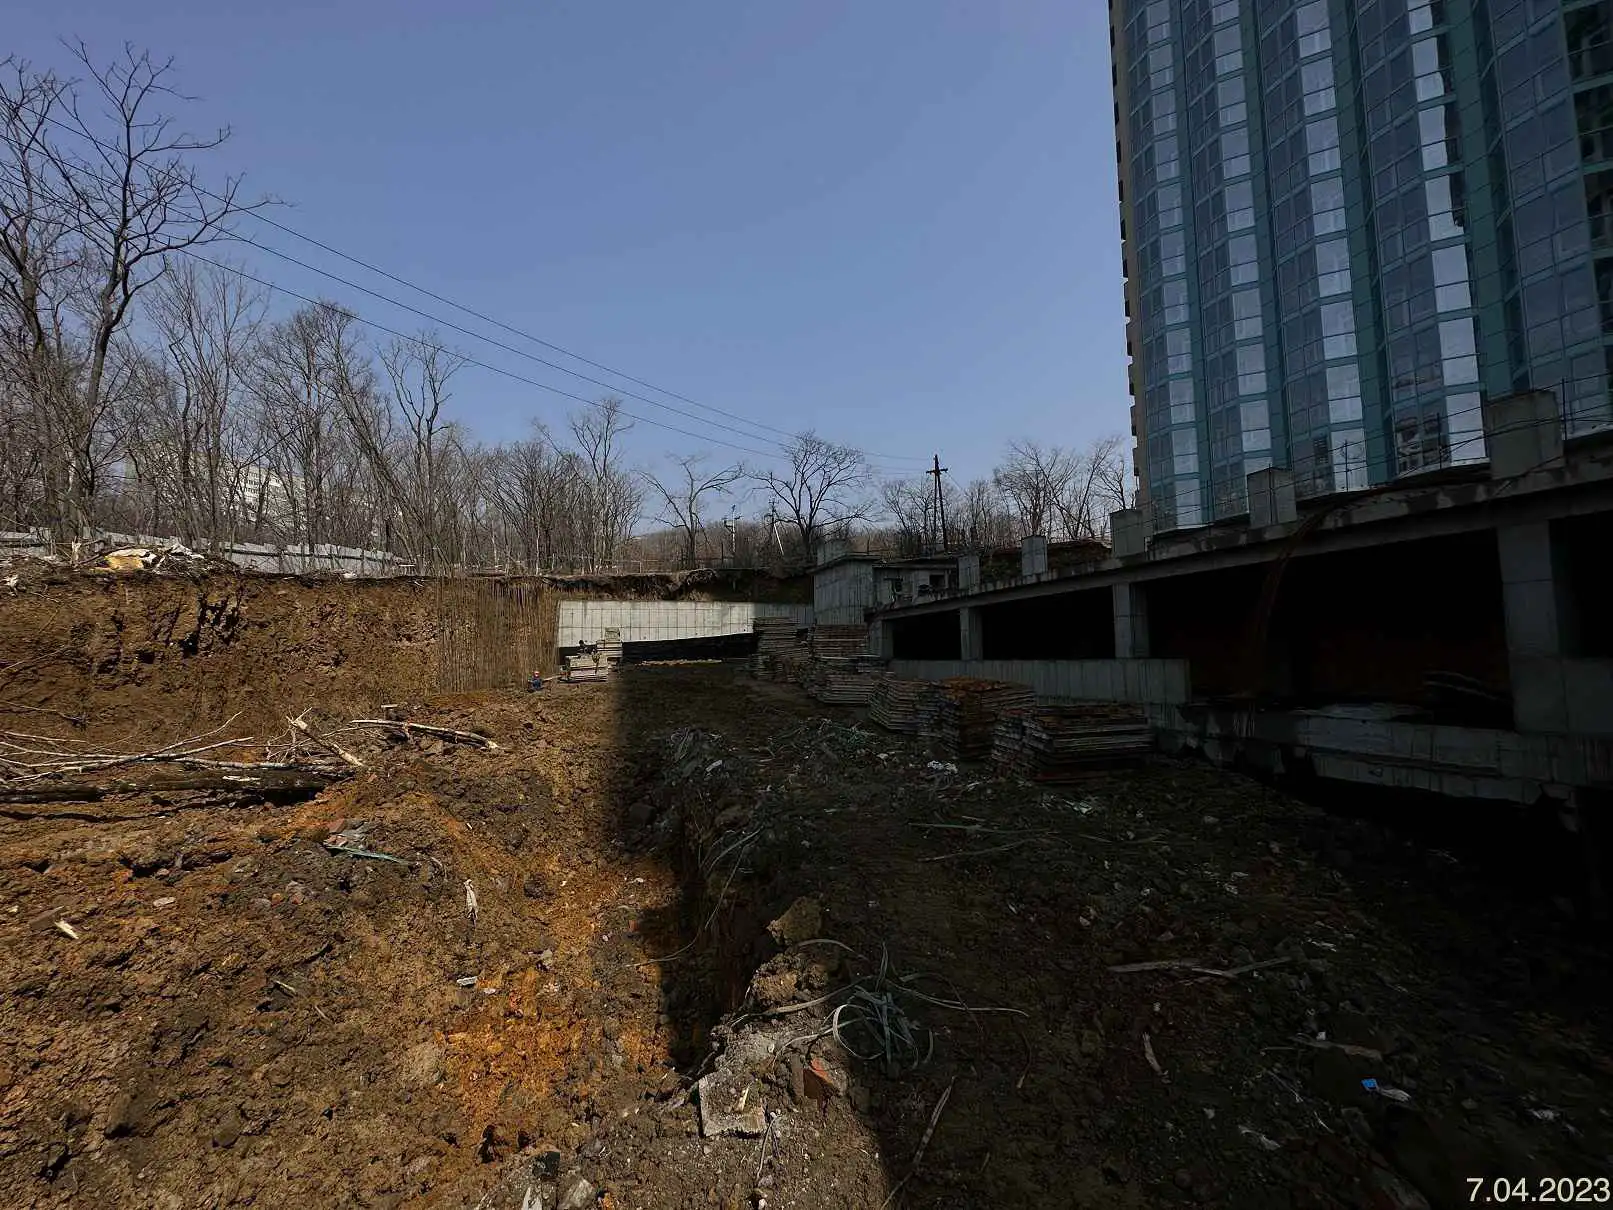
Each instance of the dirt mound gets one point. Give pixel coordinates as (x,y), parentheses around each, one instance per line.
(157,654)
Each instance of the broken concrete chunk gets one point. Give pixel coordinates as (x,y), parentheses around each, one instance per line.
(578,1194)
(802,921)
(730,1109)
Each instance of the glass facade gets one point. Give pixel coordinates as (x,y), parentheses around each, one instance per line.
(1346,222)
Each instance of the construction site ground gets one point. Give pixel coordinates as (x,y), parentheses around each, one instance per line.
(731,948)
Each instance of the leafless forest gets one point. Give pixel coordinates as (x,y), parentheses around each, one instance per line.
(150,382)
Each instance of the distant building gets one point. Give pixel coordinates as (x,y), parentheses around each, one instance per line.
(1347,222)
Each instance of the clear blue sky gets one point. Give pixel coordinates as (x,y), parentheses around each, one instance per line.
(893,221)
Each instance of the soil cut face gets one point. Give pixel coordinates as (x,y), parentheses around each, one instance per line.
(727,951)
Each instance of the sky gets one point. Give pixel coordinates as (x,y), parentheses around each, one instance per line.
(893,222)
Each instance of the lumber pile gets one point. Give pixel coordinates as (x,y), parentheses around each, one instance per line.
(839,642)
(967,712)
(1055,741)
(596,661)
(781,649)
(909,707)
(843,682)
(588,666)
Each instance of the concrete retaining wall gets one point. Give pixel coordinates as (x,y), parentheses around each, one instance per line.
(664,621)
(1348,744)
(1144,681)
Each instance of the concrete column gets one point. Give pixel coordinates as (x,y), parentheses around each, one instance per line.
(1128,532)
(1531,592)
(1271,497)
(971,634)
(1033,556)
(1131,621)
(1523,432)
(881,644)
(968,572)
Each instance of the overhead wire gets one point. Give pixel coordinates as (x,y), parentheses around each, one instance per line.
(493,369)
(256,214)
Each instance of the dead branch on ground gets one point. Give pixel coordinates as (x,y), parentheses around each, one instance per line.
(408,730)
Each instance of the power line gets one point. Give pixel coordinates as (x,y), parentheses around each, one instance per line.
(499,344)
(296,234)
(543,386)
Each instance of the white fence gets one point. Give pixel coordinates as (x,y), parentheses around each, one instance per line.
(251,556)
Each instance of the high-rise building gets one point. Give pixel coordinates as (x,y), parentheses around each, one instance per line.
(1346,222)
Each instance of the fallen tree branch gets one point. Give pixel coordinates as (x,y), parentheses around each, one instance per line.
(918,1156)
(19,708)
(1193,965)
(270,781)
(409,729)
(1358,1052)
(324,742)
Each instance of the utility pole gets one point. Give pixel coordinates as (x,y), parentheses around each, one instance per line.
(940,499)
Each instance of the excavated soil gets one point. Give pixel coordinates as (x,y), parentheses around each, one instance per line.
(679,877)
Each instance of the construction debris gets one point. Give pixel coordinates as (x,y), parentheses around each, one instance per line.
(908,707)
(967,713)
(781,649)
(1056,741)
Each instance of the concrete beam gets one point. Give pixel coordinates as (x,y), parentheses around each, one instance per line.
(1399,517)
(1128,532)
(1033,556)
(971,634)
(1523,433)
(968,571)
(1131,621)
(1272,500)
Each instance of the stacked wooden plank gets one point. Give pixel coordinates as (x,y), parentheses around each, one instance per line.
(906,706)
(588,666)
(843,682)
(967,713)
(1057,740)
(839,642)
(781,649)
(611,646)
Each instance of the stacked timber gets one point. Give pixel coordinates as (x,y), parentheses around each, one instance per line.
(1056,741)
(843,682)
(839,642)
(967,713)
(906,706)
(781,650)
(587,666)
(611,646)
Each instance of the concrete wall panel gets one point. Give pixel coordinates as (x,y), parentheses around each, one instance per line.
(663,621)
(1083,680)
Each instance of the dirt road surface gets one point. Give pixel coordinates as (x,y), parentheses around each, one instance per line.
(734,949)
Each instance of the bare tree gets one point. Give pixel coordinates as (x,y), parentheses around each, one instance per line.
(1034,479)
(110,202)
(680,496)
(190,427)
(312,382)
(406,441)
(821,484)
(612,496)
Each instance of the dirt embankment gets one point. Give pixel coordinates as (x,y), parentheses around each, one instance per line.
(152,655)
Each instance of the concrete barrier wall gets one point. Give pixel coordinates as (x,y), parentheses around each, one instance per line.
(665,621)
(1144,681)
